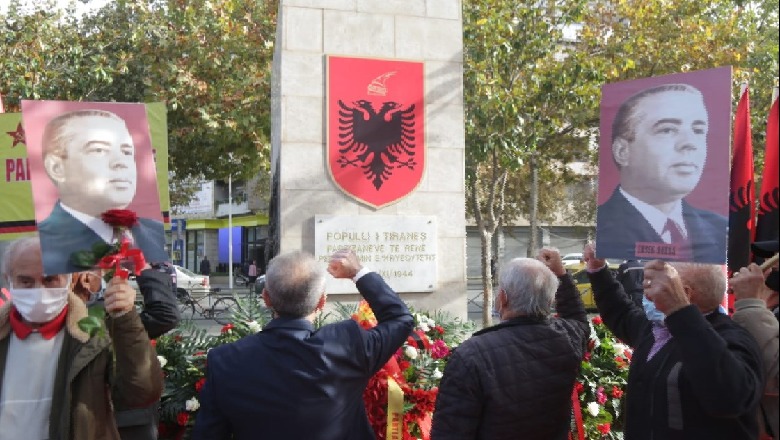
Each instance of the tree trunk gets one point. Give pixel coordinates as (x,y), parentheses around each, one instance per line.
(486,241)
(533,246)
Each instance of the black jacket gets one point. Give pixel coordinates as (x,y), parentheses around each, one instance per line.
(514,380)
(705,383)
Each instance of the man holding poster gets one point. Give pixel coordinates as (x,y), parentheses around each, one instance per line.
(89,155)
(659,144)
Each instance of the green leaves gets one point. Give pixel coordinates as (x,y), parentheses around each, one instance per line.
(87,259)
(93,323)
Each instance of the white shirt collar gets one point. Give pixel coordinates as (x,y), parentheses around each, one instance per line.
(656,218)
(97,225)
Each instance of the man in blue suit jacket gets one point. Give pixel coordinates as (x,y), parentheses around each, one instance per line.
(290,382)
(659,144)
(90,156)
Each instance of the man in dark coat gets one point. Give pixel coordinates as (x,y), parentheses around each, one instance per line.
(695,374)
(205,266)
(160,314)
(631,274)
(290,381)
(659,144)
(514,380)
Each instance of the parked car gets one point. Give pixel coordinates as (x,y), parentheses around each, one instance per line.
(582,282)
(197,285)
(163,267)
(572,259)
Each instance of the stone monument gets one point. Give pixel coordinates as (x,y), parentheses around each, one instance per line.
(368,142)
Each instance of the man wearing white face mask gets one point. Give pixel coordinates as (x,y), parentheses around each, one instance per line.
(55,377)
(695,374)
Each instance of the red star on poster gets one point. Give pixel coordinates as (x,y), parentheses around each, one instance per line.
(18,135)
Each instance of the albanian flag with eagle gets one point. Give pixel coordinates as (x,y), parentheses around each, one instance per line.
(769,198)
(741,199)
(376,128)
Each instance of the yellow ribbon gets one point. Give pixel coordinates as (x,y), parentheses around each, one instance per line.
(395,410)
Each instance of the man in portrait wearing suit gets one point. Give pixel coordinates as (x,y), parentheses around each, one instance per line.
(90,157)
(291,381)
(659,144)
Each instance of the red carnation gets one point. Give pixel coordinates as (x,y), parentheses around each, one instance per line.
(154,342)
(226,328)
(616,392)
(597,320)
(439,329)
(182,418)
(199,384)
(603,428)
(587,357)
(120,218)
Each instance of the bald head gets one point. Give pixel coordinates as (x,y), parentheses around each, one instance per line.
(707,283)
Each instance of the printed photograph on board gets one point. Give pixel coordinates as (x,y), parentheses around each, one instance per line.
(87,158)
(664,168)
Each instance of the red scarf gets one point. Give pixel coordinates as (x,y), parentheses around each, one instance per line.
(47,330)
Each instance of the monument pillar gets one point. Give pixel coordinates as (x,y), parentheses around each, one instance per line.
(341,69)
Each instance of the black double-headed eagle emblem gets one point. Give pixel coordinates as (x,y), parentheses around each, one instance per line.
(377,141)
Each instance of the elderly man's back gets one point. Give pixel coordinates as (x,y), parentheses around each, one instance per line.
(292,382)
(514,380)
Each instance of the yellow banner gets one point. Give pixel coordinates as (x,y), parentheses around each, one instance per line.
(158,132)
(395,410)
(17,212)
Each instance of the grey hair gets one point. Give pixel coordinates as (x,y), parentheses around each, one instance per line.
(529,285)
(12,252)
(295,281)
(708,280)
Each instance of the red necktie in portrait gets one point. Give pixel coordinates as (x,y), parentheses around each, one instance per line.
(674,232)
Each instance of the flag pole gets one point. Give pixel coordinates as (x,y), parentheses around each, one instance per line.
(230,231)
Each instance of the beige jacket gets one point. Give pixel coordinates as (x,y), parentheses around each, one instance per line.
(753,315)
(87,384)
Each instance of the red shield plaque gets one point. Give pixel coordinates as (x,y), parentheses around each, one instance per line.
(376,128)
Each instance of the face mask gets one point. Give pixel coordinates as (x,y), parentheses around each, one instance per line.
(39,304)
(651,312)
(96,296)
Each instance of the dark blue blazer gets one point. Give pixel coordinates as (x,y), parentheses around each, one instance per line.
(619,226)
(62,234)
(290,382)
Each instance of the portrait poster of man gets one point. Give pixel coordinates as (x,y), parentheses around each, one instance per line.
(664,168)
(86,158)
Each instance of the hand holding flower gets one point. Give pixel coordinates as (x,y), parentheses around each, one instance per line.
(119,297)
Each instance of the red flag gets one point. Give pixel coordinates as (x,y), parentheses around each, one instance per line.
(741,209)
(768,214)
